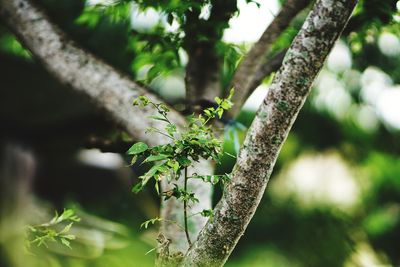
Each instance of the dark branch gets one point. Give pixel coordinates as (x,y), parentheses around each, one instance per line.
(201,36)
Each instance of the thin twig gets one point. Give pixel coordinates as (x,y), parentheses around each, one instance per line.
(185,211)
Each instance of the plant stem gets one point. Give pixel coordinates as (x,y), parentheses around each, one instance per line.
(159,132)
(185,217)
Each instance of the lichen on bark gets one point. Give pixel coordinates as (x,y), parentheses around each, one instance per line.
(243,79)
(268,132)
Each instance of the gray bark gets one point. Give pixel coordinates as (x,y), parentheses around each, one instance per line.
(106,87)
(272,65)
(253,61)
(202,85)
(173,210)
(268,132)
(110,90)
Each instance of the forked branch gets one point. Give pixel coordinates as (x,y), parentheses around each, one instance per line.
(242,79)
(268,132)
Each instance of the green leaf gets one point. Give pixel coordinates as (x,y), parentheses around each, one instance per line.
(220,111)
(226,104)
(48,232)
(65,242)
(153,170)
(137,148)
(183,161)
(174,165)
(151,250)
(230,155)
(70,237)
(214,179)
(209,112)
(54,220)
(164,107)
(156,157)
(147,176)
(207,213)
(137,188)
(171,129)
(218,100)
(145,224)
(145,100)
(231,92)
(66,228)
(141,100)
(133,160)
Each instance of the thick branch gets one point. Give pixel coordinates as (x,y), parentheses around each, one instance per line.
(84,73)
(242,79)
(269,130)
(272,65)
(106,87)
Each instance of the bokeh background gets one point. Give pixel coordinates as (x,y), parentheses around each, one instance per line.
(333,199)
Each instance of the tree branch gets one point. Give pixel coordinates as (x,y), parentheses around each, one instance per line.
(83,72)
(202,83)
(201,36)
(272,65)
(268,132)
(173,210)
(242,79)
(107,88)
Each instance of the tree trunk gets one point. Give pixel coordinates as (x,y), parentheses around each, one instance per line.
(268,132)
(254,60)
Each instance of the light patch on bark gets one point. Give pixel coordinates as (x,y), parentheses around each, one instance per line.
(174,210)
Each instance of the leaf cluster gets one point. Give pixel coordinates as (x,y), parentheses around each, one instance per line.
(176,9)
(115,12)
(196,141)
(57,229)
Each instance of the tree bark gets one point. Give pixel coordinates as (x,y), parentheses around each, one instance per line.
(268,132)
(252,62)
(173,210)
(203,69)
(110,90)
(202,86)
(106,87)
(272,65)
